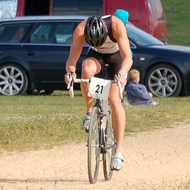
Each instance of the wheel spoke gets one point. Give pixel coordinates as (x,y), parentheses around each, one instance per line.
(165,73)
(154,85)
(6,72)
(17,75)
(16,87)
(154,78)
(171,76)
(3,83)
(2,77)
(12,71)
(18,82)
(4,88)
(10,90)
(169,89)
(164,91)
(172,83)
(158,89)
(159,73)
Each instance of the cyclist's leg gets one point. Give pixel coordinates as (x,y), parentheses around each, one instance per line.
(90,67)
(118,119)
(118,115)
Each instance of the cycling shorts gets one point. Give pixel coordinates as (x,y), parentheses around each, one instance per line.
(113,62)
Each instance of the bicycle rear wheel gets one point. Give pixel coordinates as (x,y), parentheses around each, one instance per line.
(93,146)
(109,146)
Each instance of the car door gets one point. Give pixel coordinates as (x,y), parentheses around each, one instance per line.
(47,51)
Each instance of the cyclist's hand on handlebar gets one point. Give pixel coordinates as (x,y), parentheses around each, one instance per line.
(69,77)
(120,79)
(121,82)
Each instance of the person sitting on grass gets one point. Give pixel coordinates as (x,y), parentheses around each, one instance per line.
(137,93)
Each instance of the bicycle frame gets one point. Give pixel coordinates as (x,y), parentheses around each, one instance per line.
(104,114)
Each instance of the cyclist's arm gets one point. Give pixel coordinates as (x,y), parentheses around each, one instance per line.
(76,47)
(120,34)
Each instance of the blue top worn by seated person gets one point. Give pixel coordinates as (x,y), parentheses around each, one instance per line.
(137,94)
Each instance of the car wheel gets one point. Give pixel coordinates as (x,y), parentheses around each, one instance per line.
(164,81)
(13,80)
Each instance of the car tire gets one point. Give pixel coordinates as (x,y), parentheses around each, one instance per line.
(13,80)
(164,81)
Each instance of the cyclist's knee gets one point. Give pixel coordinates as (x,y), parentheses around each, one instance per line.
(90,67)
(114,102)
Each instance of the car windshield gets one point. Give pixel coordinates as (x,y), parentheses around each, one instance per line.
(141,38)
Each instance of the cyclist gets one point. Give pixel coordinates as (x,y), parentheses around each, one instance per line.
(109,44)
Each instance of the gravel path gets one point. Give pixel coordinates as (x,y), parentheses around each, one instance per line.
(158,160)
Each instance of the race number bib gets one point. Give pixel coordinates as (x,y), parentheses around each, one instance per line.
(99,88)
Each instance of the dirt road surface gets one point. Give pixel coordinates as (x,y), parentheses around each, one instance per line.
(157,160)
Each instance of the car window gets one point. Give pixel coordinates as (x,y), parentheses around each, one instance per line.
(64,33)
(56,33)
(141,38)
(132,46)
(13,33)
(41,34)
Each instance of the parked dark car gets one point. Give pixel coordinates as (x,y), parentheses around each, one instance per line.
(33,53)
(165,69)
(34,50)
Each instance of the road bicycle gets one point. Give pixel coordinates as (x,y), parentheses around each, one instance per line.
(101,139)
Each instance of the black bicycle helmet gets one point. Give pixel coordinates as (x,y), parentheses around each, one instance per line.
(95,31)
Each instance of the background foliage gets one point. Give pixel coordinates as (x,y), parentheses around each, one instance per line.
(178,13)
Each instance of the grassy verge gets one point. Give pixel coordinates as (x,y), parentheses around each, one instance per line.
(30,122)
(169,112)
(177,13)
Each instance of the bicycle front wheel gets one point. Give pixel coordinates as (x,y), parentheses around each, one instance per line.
(109,146)
(93,146)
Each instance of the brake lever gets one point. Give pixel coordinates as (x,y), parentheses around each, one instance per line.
(71,84)
(71,81)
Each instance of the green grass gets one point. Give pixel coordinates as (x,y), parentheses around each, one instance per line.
(169,112)
(177,13)
(35,121)
(31,122)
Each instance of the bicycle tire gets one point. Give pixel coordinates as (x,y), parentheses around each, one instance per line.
(93,146)
(109,146)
